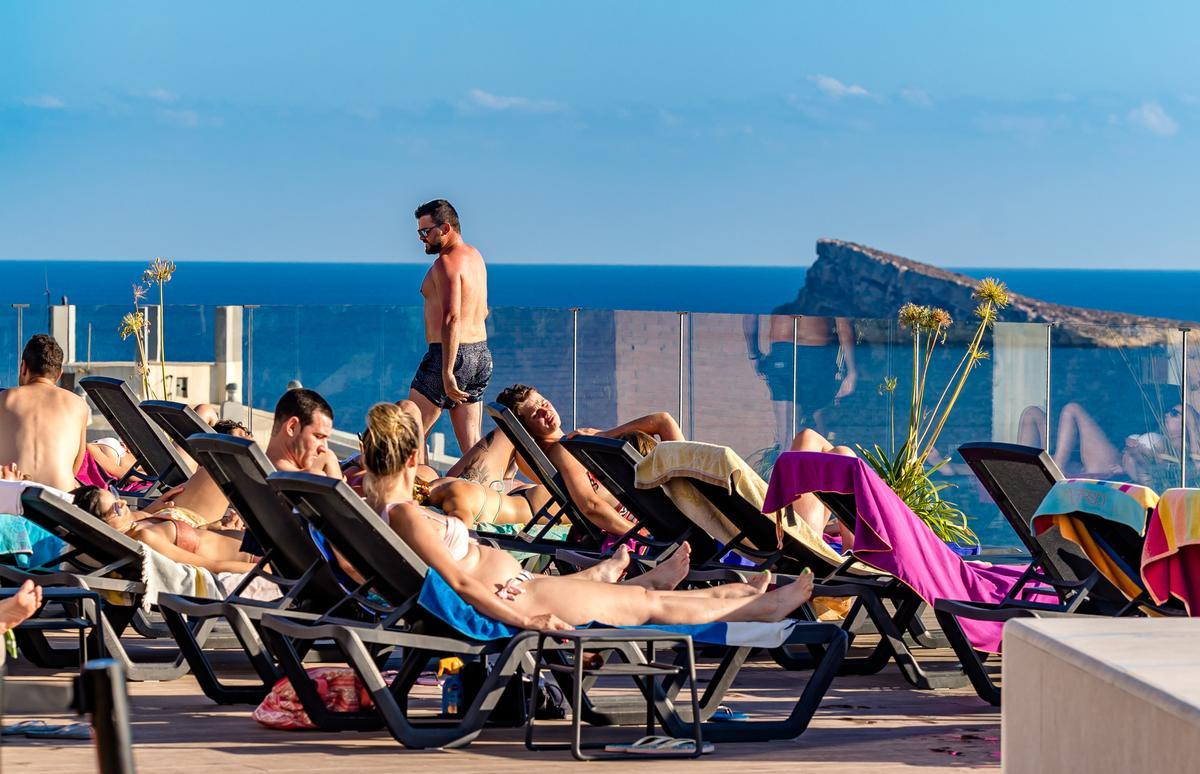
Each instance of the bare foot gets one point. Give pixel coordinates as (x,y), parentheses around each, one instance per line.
(612,568)
(670,572)
(793,595)
(20,606)
(760,581)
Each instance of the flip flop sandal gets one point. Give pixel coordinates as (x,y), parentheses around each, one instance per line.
(69,731)
(428,678)
(727,714)
(19,729)
(660,745)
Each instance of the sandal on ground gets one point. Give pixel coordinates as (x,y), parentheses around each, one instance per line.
(727,714)
(660,745)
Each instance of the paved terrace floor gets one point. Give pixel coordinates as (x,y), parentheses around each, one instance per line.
(873,723)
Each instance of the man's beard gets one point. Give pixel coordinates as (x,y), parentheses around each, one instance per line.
(433,248)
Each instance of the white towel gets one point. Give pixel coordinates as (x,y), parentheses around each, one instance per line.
(161,575)
(11,491)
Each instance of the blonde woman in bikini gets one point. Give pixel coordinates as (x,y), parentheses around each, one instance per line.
(493,582)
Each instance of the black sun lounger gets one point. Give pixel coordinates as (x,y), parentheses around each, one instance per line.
(306,582)
(396,574)
(1018,478)
(177,420)
(158,462)
(549,477)
(614,462)
(100,559)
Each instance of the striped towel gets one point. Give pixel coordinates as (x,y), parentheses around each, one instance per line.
(1171,554)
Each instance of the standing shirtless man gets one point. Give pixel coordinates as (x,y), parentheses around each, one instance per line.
(456,368)
(43,428)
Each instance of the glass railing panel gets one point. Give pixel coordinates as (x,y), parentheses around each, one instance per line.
(1115,408)
(628,366)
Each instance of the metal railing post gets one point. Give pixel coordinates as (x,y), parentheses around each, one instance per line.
(20,331)
(1049,328)
(574,367)
(250,366)
(1184,390)
(679,416)
(795,374)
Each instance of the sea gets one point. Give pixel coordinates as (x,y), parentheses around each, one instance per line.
(730,289)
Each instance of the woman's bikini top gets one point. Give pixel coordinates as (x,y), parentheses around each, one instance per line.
(456,538)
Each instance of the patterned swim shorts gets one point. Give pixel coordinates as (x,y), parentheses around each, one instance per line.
(472,370)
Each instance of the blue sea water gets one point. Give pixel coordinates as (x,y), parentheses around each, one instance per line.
(1172,294)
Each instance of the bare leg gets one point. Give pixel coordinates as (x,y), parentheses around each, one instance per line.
(20,606)
(809,507)
(783,421)
(578,602)
(1096,453)
(429,415)
(467,420)
(1032,428)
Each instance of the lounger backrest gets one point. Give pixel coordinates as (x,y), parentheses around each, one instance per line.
(1017,478)
(357,532)
(240,469)
(157,458)
(543,469)
(81,530)
(760,529)
(177,420)
(614,463)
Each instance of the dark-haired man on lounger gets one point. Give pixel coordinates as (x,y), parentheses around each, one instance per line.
(540,418)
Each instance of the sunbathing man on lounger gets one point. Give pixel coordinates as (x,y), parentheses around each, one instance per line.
(542,421)
(43,428)
(300,432)
(493,582)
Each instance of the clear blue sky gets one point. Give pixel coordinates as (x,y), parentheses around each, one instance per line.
(961,133)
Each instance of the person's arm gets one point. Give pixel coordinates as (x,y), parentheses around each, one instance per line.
(659,423)
(450,290)
(82,439)
(594,506)
(475,592)
(845,334)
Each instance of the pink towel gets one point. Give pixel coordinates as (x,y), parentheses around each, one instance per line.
(90,472)
(1171,554)
(891,538)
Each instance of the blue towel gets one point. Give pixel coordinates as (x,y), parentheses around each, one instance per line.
(26,542)
(444,602)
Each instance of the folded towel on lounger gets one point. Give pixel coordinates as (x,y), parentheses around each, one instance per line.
(1171,555)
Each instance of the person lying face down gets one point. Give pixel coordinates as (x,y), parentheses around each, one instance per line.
(493,582)
(541,419)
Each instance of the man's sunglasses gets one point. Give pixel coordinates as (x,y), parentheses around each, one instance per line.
(424,232)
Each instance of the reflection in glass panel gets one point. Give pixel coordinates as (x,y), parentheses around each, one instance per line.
(628,366)
(1116,410)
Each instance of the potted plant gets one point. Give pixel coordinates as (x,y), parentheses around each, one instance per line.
(906,469)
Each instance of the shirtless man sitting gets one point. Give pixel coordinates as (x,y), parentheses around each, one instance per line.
(542,421)
(43,428)
(300,432)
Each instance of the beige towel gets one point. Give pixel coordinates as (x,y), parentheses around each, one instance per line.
(671,463)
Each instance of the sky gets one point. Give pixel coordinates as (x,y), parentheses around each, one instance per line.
(963,134)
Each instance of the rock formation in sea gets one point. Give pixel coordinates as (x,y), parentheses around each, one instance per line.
(852,280)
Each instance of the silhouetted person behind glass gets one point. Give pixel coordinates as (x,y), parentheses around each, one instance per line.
(819,341)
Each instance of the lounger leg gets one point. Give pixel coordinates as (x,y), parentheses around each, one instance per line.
(971,662)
